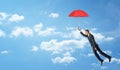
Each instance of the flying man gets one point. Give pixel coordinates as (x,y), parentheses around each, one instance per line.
(94,45)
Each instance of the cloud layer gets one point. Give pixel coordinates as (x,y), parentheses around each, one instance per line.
(70,40)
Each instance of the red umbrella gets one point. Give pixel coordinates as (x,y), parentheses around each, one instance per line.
(78,13)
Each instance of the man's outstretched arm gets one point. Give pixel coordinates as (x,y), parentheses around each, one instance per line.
(82,32)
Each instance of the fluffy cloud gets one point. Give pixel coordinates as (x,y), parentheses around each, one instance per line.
(116,60)
(35,48)
(47,32)
(54,15)
(113,60)
(67,58)
(3,16)
(38,28)
(2,33)
(25,31)
(16,18)
(4,52)
(73,33)
(65,45)
(12,18)
(101,37)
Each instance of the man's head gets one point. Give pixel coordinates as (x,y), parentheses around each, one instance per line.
(87,32)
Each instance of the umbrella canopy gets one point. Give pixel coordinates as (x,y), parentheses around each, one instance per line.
(78,13)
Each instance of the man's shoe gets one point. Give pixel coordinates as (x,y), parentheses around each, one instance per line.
(102,62)
(110,59)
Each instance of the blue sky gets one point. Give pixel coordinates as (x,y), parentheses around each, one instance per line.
(39,35)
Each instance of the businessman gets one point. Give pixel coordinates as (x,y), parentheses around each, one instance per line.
(94,45)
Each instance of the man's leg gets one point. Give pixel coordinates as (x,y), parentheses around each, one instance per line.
(104,54)
(96,54)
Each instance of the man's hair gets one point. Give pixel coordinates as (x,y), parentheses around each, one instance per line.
(87,30)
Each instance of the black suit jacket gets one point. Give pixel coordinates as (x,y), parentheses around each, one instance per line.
(91,39)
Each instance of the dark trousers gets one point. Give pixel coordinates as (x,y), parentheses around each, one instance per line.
(101,52)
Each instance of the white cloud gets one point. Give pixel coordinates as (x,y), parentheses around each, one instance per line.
(2,33)
(54,15)
(100,37)
(113,60)
(116,60)
(48,31)
(3,16)
(38,28)
(73,33)
(35,48)
(64,45)
(16,18)
(4,52)
(67,58)
(25,31)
